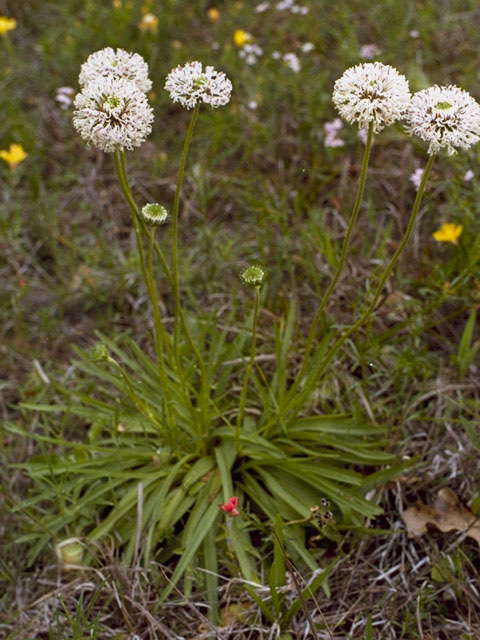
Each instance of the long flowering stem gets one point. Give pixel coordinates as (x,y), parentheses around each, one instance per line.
(161,337)
(147,271)
(253,348)
(341,263)
(154,294)
(140,226)
(140,404)
(176,209)
(313,379)
(147,268)
(179,313)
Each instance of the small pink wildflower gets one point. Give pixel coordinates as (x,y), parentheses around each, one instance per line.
(331,129)
(468,175)
(369,51)
(416,178)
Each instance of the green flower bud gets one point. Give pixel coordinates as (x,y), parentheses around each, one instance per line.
(70,552)
(154,214)
(253,276)
(99,353)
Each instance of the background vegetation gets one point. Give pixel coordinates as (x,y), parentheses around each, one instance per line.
(262,187)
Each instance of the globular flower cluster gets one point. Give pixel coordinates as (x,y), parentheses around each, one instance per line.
(371,92)
(112,110)
(112,114)
(374,93)
(445,117)
(108,63)
(190,84)
(253,276)
(154,214)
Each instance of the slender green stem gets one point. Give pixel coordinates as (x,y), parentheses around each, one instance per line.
(253,347)
(160,336)
(176,209)
(147,267)
(163,262)
(119,160)
(179,313)
(299,398)
(144,408)
(157,320)
(134,208)
(353,218)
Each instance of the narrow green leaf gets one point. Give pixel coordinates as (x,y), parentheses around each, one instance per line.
(203,526)
(211,575)
(244,550)
(225,455)
(277,573)
(466,353)
(199,470)
(260,603)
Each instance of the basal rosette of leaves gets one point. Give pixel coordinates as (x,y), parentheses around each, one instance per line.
(281,466)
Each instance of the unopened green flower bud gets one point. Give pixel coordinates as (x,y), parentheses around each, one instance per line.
(70,552)
(253,276)
(99,353)
(154,214)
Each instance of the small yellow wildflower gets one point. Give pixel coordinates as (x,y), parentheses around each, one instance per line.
(14,155)
(448,232)
(148,23)
(241,37)
(213,14)
(117,4)
(6,24)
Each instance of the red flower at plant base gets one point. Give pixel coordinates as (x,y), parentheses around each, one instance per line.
(230,507)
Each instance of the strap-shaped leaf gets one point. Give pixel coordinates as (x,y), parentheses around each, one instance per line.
(203,524)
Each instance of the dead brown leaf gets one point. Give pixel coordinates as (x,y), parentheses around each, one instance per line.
(447,514)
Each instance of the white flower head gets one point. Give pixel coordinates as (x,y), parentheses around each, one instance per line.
(250,53)
(154,214)
(253,275)
(292,61)
(307,47)
(190,85)
(371,92)
(445,117)
(117,64)
(112,114)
